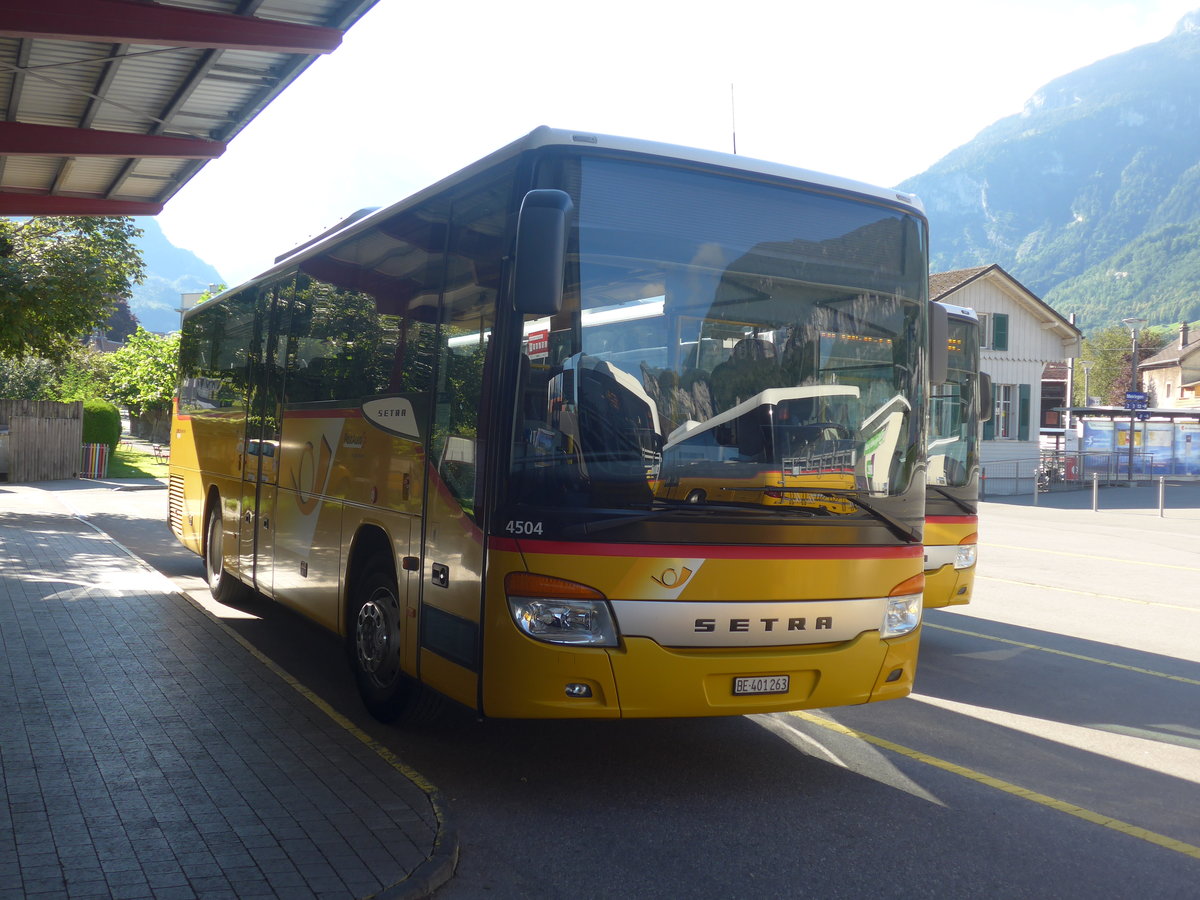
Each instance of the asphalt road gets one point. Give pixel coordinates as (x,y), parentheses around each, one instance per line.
(1051,748)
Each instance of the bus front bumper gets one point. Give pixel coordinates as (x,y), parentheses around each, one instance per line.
(948,586)
(642,679)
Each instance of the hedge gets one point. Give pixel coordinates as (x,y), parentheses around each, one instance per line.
(101,423)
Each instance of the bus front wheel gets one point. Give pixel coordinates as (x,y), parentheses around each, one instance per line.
(375,645)
(222,584)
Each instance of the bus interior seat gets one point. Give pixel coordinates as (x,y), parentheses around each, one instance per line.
(751,368)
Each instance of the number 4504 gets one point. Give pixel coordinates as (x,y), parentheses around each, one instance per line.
(517,526)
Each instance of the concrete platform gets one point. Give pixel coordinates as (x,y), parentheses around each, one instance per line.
(147,752)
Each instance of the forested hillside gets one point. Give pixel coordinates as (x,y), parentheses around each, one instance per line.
(170,272)
(1091,195)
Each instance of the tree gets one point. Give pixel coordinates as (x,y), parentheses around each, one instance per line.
(27,378)
(143,376)
(121,322)
(60,277)
(79,374)
(83,374)
(1110,351)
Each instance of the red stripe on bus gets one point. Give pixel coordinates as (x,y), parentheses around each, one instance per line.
(950,520)
(696,551)
(322,413)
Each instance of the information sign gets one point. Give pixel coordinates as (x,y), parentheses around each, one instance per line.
(1136,400)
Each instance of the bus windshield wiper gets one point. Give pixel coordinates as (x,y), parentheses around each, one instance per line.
(899,529)
(687,509)
(955,500)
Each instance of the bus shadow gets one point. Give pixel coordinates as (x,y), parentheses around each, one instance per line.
(973,660)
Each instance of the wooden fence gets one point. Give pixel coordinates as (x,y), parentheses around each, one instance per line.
(44,439)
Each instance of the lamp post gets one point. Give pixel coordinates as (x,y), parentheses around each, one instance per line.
(1087,368)
(1134,325)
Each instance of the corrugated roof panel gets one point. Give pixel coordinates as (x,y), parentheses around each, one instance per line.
(142,87)
(61,81)
(28,172)
(267,64)
(317,12)
(158,167)
(221,6)
(220,100)
(140,188)
(9,53)
(91,175)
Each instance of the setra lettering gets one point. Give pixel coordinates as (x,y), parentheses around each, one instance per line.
(744,626)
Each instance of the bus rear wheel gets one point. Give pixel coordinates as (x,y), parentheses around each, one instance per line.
(375,635)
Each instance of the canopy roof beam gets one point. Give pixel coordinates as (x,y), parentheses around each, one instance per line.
(127,22)
(24,139)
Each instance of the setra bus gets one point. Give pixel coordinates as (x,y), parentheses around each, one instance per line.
(446,431)
(958,408)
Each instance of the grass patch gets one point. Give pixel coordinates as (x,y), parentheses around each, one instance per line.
(129,462)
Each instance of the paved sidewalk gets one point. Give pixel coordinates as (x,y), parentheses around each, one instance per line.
(1181,499)
(145,752)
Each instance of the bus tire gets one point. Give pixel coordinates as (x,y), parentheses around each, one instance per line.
(374,642)
(222,584)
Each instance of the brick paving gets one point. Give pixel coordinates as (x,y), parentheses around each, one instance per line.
(145,753)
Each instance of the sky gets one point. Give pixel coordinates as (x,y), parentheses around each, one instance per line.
(873,90)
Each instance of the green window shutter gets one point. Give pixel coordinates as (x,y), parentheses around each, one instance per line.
(1023,413)
(989,429)
(999,331)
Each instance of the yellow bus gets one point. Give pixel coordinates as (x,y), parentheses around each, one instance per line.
(439,431)
(957,410)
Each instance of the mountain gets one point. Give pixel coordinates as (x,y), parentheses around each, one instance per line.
(170,271)
(1090,196)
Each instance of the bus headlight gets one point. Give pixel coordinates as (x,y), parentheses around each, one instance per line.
(903,612)
(565,621)
(965,557)
(560,612)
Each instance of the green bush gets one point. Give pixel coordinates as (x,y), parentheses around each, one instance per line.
(101,423)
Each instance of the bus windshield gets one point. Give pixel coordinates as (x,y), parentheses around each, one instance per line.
(724,341)
(954,412)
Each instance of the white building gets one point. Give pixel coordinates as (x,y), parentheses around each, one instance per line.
(1020,335)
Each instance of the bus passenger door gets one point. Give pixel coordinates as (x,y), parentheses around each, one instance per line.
(260,450)
(450,636)
(452,577)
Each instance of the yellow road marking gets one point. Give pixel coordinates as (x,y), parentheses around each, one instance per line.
(1087,815)
(1091,659)
(1051,587)
(1132,562)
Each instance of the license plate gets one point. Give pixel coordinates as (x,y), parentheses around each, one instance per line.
(761,684)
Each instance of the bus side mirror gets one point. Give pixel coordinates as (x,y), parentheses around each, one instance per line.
(987,405)
(939,344)
(541,254)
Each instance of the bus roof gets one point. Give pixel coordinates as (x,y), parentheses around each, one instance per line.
(959,312)
(551,137)
(543,137)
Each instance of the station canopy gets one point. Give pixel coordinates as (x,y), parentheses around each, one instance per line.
(109,107)
(1120,413)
